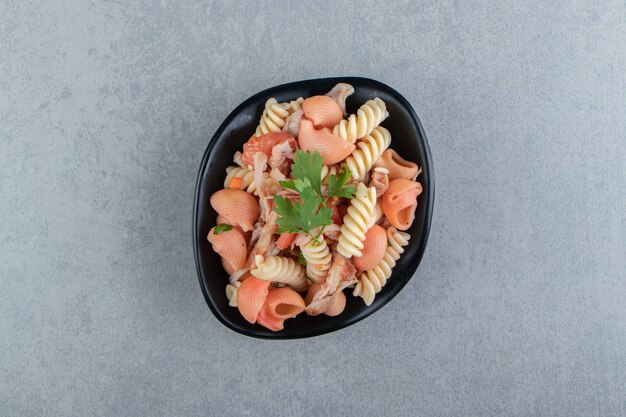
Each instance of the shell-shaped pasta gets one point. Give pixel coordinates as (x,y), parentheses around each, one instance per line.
(398,167)
(323,111)
(251,296)
(247,179)
(370,148)
(273,117)
(231,293)
(356,221)
(400,202)
(280,269)
(374,248)
(313,288)
(318,259)
(281,304)
(372,281)
(338,305)
(332,148)
(369,115)
(231,246)
(236,206)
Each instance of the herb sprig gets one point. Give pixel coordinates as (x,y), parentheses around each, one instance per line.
(312,210)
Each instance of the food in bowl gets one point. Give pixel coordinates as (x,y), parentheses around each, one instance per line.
(316,202)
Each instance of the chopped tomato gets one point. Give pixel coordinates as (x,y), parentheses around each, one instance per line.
(285,240)
(336,216)
(264,144)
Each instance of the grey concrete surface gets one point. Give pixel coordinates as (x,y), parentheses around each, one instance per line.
(519,307)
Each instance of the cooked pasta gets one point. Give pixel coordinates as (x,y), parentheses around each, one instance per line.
(355,222)
(246,177)
(238,208)
(281,270)
(332,148)
(374,247)
(318,259)
(273,117)
(369,115)
(370,148)
(231,246)
(400,201)
(281,304)
(372,281)
(314,203)
(397,167)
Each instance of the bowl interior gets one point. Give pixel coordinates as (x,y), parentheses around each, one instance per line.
(408,140)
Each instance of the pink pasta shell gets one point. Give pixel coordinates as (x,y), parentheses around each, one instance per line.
(251,297)
(237,207)
(400,202)
(332,148)
(398,167)
(338,305)
(323,111)
(281,304)
(231,246)
(374,248)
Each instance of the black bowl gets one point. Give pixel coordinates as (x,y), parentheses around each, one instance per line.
(408,139)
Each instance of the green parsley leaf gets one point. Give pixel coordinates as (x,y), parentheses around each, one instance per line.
(307,165)
(222,227)
(296,185)
(302,216)
(388,243)
(301,259)
(337,187)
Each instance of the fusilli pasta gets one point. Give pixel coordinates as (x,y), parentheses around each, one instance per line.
(372,281)
(356,221)
(318,259)
(247,178)
(280,269)
(369,149)
(275,114)
(367,117)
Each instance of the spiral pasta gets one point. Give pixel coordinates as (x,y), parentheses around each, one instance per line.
(275,114)
(280,269)
(246,176)
(372,281)
(367,117)
(369,149)
(318,259)
(356,221)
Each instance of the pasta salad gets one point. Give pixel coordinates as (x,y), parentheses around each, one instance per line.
(316,202)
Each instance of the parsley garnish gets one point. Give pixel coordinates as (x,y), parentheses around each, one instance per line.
(301,259)
(222,228)
(311,211)
(337,187)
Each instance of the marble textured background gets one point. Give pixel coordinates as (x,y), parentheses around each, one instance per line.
(517,309)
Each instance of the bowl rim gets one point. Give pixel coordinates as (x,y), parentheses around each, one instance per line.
(429,186)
